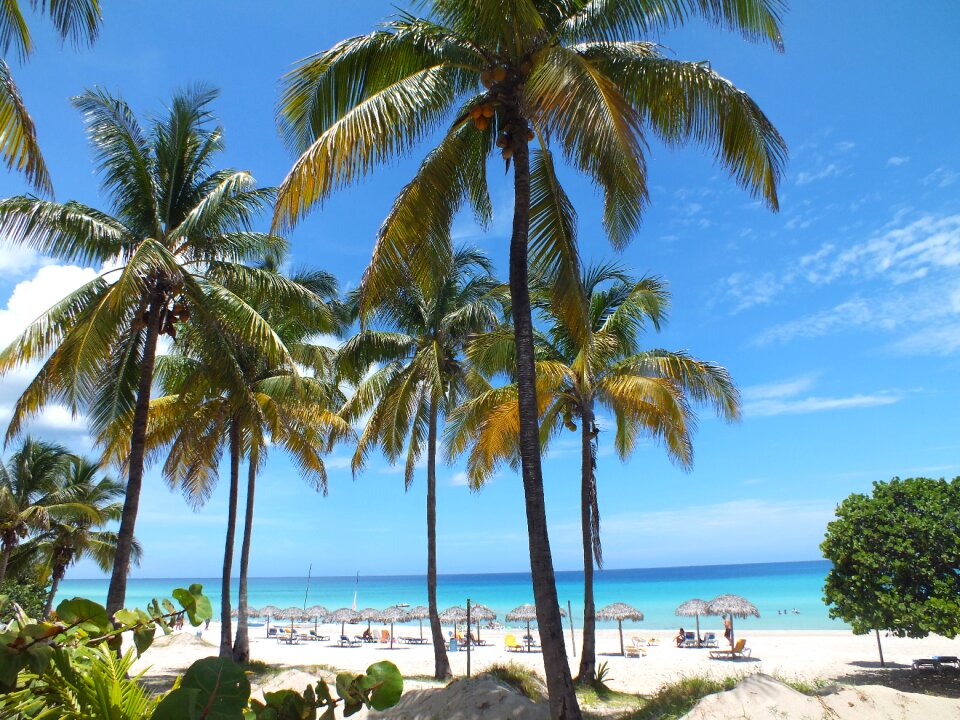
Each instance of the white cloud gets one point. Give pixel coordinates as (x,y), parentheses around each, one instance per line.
(30,298)
(789,398)
(459,479)
(941,177)
(897,160)
(17,259)
(831,170)
(746,291)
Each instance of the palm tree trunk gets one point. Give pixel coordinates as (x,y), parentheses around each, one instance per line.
(441,663)
(241,647)
(4,559)
(588,657)
(563,700)
(117,593)
(57,575)
(226,627)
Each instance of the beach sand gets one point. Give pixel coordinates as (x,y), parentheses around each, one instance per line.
(810,656)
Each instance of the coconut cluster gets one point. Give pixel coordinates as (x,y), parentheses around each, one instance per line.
(169,317)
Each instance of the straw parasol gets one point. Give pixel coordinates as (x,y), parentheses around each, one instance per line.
(454,614)
(420,612)
(369,614)
(693,608)
(479,613)
(393,614)
(316,612)
(290,613)
(528,614)
(269,611)
(252,612)
(343,616)
(619,611)
(734,606)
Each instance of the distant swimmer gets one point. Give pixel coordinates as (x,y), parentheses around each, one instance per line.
(796,612)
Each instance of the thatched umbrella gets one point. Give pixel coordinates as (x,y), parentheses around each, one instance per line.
(528,614)
(252,612)
(619,611)
(734,606)
(419,613)
(343,616)
(369,614)
(479,613)
(316,612)
(291,613)
(393,614)
(269,611)
(693,608)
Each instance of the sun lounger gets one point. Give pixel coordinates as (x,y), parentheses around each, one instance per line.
(925,665)
(385,637)
(937,663)
(313,636)
(653,642)
(689,639)
(511,644)
(635,649)
(710,641)
(638,641)
(347,642)
(948,662)
(740,650)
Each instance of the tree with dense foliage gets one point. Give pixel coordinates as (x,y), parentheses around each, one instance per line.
(240,403)
(69,538)
(76,20)
(174,252)
(32,492)
(410,374)
(505,75)
(596,364)
(895,555)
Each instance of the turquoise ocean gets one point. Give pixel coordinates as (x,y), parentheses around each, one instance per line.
(772,587)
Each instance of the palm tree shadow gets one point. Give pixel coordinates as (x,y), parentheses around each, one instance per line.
(903,678)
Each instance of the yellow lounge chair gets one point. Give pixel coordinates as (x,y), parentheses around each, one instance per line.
(740,650)
(511,644)
(385,636)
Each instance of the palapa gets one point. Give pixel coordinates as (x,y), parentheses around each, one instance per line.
(369,614)
(527,613)
(734,606)
(619,611)
(693,608)
(269,611)
(393,614)
(317,612)
(480,612)
(343,616)
(420,612)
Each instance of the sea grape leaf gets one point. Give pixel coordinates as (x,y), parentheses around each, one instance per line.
(11,663)
(223,687)
(195,603)
(385,682)
(179,704)
(85,613)
(143,637)
(38,657)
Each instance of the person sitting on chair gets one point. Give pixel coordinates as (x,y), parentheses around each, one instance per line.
(367,635)
(680,638)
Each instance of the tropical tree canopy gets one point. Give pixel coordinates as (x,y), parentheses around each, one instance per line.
(579,77)
(74,20)
(599,360)
(174,247)
(895,555)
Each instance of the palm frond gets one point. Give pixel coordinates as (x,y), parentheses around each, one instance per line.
(18,135)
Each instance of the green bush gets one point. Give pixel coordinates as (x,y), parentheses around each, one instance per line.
(677,699)
(29,595)
(523,680)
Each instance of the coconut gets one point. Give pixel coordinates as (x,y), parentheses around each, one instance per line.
(482,123)
(507,153)
(499,74)
(486,77)
(488,111)
(476,112)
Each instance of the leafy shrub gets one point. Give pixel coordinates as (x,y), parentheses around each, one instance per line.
(676,699)
(29,595)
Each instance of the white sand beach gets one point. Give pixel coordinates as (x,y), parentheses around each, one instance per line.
(811,656)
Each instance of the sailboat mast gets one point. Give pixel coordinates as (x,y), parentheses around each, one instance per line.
(307,591)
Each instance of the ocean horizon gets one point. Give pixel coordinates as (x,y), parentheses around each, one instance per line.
(787,594)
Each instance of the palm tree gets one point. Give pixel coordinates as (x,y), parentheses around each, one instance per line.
(76,20)
(69,538)
(31,491)
(418,376)
(600,362)
(241,402)
(504,75)
(172,249)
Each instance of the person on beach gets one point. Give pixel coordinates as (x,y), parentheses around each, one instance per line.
(681,636)
(728,628)
(367,635)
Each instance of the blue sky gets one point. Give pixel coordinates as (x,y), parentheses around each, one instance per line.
(839,317)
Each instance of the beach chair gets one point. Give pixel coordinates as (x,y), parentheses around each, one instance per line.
(653,642)
(638,641)
(710,640)
(385,636)
(925,665)
(511,644)
(739,651)
(635,648)
(314,636)
(948,663)
(271,632)
(689,639)
(347,642)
